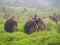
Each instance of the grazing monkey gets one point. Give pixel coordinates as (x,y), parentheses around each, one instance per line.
(11,24)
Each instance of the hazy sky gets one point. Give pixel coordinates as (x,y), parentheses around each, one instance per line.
(41,2)
(44,2)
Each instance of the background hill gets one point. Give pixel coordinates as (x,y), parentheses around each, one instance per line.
(33,3)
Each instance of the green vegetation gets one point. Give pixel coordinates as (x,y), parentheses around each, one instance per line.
(50,36)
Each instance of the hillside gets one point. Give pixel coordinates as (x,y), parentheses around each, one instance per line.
(23,9)
(40,4)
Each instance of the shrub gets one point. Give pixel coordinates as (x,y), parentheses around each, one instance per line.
(50,25)
(58,27)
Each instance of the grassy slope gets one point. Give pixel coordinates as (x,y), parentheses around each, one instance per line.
(46,37)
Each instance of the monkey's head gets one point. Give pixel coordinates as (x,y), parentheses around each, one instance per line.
(13,18)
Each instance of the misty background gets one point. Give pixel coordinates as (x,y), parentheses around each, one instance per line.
(41,4)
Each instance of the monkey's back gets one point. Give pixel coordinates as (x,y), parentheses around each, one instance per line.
(9,25)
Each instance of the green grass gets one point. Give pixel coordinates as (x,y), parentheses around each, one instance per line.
(50,36)
(46,37)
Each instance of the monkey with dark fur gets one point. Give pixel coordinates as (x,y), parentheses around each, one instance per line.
(53,18)
(33,24)
(11,24)
(30,25)
(40,23)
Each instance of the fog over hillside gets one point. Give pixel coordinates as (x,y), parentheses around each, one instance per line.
(35,3)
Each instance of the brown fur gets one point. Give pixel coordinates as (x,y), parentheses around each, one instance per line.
(53,18)
(40,23)
(33,24)
(11,24)
(30,27)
